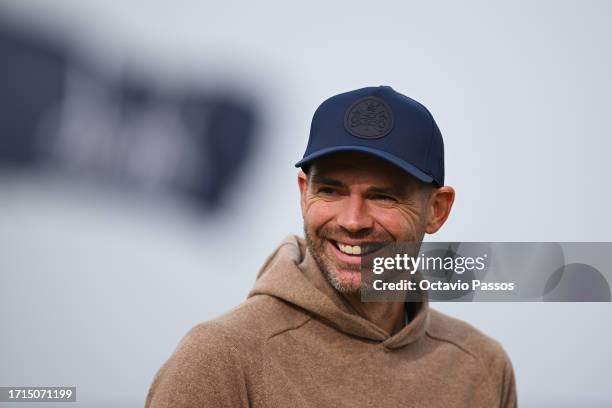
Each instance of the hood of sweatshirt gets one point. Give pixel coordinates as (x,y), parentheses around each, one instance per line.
(292,275)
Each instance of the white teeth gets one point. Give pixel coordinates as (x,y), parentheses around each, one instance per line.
(348,249)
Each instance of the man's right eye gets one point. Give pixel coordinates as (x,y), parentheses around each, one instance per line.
(327,191)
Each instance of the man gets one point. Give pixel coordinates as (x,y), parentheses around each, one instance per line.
(372,174)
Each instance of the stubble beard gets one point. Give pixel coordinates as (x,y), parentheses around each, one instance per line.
(316,246)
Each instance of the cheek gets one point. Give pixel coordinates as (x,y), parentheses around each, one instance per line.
(319,212)
(401,224)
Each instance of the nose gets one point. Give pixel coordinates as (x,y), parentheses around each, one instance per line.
(354,215)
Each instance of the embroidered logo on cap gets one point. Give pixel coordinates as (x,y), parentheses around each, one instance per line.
(369,118)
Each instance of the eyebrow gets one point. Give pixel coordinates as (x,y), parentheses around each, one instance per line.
(392,191)
(396,191)
(317,179)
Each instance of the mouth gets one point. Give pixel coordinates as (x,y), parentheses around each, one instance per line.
(347,258)
(356,250)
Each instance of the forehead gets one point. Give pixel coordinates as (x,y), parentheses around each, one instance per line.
(357,166)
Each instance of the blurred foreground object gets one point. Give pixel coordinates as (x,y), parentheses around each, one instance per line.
(58,112)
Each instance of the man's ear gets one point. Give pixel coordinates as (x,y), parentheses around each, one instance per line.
(439,207)
(302,180)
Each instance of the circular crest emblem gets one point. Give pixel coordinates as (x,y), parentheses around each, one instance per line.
(369,118)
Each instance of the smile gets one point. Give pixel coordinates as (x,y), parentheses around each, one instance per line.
(357,250)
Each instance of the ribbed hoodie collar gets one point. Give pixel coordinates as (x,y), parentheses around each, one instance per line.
(292,274)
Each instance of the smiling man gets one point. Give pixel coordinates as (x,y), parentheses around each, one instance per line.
(372,175)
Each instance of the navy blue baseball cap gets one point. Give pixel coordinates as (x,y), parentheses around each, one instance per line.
(381,122)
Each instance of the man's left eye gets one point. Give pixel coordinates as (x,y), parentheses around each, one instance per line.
(380,197)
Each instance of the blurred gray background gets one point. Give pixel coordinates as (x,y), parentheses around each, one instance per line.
(99,281)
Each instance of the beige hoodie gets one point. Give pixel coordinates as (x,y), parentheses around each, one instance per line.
(294,343)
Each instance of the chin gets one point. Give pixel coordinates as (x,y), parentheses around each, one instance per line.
(348,282)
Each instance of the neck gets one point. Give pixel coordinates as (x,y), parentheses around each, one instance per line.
(389,316)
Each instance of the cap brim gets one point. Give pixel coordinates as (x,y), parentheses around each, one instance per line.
(404,165)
